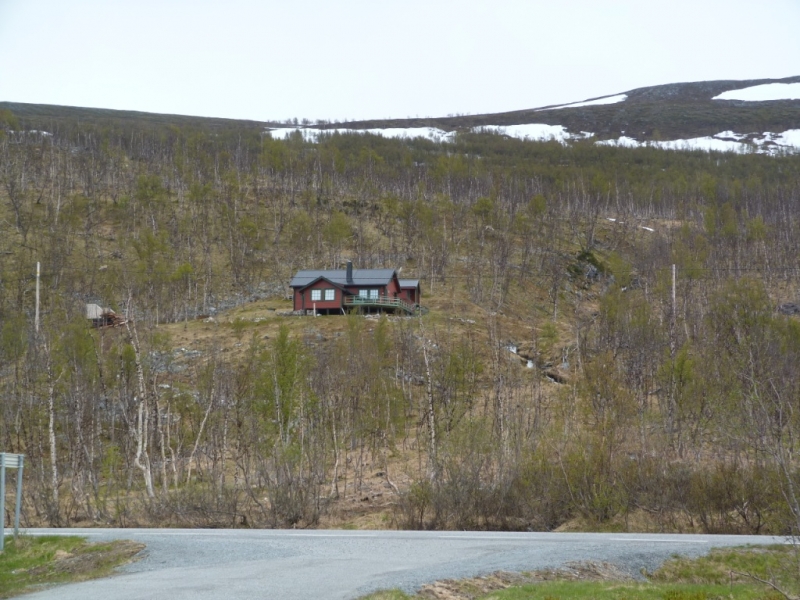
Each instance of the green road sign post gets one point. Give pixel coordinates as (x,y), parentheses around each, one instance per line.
(10,461)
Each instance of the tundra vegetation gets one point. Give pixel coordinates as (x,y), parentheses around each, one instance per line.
(625,405)
(32,563)
(761,572)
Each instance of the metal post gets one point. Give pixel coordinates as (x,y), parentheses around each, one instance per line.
(19,494)
(2,499)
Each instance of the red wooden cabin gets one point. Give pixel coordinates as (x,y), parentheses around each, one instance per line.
(368,290)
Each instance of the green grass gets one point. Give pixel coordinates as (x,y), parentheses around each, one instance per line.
(30,563)
(584,590)
(723,573)
(764,562)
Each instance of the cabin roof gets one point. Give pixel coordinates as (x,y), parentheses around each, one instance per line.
(361,277)
(409,283)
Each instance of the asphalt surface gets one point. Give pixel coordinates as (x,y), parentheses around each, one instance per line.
(202,564)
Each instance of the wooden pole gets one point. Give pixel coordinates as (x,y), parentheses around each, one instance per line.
(673,292)
(38,272)
(673,316)
(2,499)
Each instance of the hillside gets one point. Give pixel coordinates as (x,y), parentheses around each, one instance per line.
(556,381)
(685,112)
(656,114)
(48,117)
(678,110)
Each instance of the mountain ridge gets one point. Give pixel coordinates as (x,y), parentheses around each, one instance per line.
(679,109)
(673,111)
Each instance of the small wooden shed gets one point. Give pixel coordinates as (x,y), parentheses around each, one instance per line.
(103,317)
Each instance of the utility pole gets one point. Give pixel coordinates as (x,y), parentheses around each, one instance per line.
(672,408)
(38,273)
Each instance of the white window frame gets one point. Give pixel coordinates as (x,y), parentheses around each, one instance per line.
(316,295)
(374,294)
(363,294)
(330,295)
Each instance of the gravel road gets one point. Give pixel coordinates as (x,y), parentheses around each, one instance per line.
(202,564)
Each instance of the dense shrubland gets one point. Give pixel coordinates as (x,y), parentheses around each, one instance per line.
(641,410)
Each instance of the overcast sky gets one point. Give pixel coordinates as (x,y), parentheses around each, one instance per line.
(349,59)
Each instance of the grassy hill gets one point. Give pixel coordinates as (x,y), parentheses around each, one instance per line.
(672,111)
(624,406)
(663,112)
(48,117)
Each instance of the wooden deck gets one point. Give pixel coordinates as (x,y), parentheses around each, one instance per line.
(380,302)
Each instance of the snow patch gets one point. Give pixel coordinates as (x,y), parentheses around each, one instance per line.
(725,135)
(703,143)
(431,133)
(597,102)
(312,133)
(725,141)
(624,141)
(531,131)
(763,93)
(285,132)
(32,132)
(787,139)
(791,137)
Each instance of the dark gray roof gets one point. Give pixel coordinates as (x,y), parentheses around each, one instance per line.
(408,283)
(364,277)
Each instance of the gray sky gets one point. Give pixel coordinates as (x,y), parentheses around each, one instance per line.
(353,59)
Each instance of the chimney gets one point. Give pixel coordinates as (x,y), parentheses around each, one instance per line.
(349,271)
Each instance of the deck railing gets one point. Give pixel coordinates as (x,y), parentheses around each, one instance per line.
(380,301)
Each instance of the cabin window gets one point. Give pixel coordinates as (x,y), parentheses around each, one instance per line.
(363,293)
(373,294)
(330,294)
(316,295)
